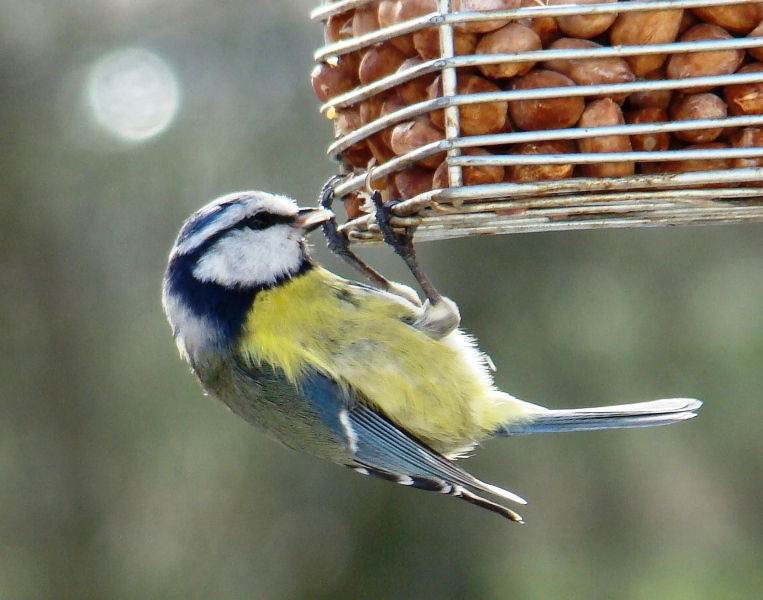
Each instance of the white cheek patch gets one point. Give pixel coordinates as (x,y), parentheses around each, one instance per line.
(245,257)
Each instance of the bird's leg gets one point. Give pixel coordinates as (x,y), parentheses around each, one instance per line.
(402,244)
(440,316)
(339,244)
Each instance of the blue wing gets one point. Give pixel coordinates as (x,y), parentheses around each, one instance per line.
(380,448)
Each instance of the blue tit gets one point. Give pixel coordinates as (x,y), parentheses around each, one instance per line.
(367,378)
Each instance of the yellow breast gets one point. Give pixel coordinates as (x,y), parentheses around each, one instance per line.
(438,390)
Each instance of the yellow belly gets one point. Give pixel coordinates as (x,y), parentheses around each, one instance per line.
(438,390)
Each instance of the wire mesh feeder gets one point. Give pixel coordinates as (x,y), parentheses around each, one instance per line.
(545,114)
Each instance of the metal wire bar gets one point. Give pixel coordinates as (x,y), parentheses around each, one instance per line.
(450,89)
(582,158)
(517,137)
(329,9)
(440,18)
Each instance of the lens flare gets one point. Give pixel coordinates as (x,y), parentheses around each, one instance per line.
(133,94)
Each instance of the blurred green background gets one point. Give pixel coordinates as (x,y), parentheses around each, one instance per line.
(118,479)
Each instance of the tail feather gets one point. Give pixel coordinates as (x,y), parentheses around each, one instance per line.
(643,414)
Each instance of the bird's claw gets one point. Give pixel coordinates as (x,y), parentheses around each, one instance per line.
(401,242)
(327,192)
(337,241)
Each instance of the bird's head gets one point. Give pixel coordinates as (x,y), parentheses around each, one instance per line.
(224,254)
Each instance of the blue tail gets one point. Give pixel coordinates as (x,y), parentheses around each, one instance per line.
(643,414)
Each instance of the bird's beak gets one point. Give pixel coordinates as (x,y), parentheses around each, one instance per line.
(310,218)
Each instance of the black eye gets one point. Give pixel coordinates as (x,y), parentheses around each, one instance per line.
(258,221)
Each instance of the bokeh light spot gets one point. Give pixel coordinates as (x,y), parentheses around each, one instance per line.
(133,94)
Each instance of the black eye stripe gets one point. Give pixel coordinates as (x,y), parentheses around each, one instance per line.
(253,222)
(263,220)
(258,221)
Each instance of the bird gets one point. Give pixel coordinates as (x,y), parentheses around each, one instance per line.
(365,376)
